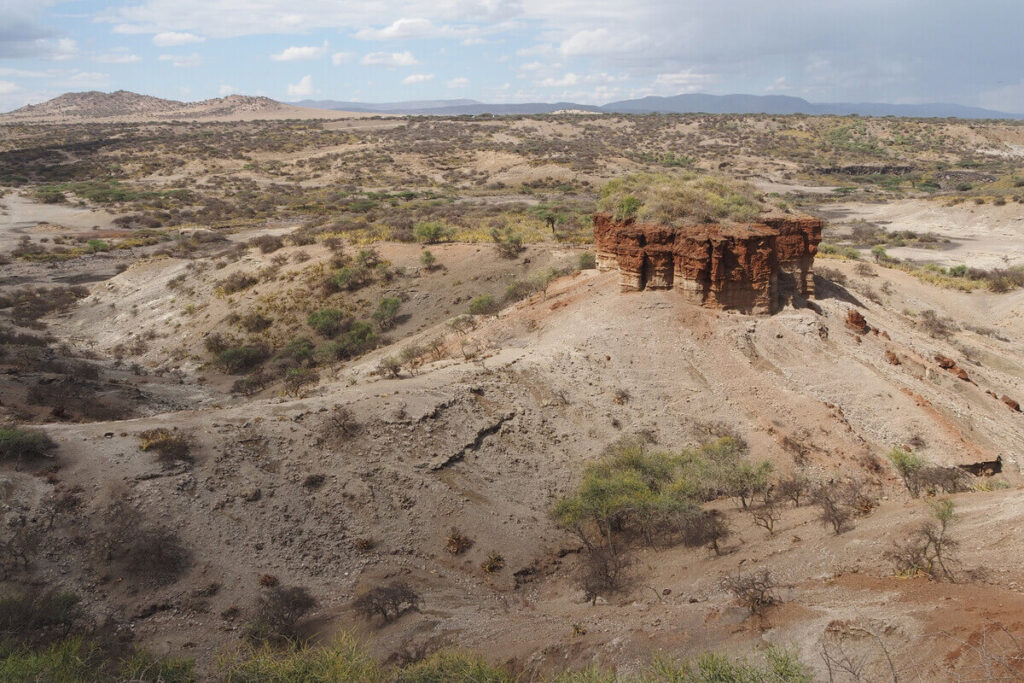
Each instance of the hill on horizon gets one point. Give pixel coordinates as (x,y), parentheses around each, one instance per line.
(677,104)
(124,104)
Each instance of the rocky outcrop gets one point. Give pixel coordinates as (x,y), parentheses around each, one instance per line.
(751,268)
(856,322)
(949,365)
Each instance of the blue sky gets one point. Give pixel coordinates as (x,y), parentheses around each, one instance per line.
(590,51)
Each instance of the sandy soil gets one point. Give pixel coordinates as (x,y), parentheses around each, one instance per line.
(983,236)
(21,216)
(489,444)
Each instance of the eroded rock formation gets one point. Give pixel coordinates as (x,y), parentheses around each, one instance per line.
(743,267)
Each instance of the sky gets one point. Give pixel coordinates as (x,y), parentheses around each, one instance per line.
(586,51)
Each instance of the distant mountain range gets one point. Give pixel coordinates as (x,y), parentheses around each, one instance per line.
(128,106)
(679,104)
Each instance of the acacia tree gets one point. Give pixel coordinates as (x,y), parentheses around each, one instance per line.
(930,550)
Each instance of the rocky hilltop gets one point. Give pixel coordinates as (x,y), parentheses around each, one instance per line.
(747,267)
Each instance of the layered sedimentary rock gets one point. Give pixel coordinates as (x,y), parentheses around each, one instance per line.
(750,268)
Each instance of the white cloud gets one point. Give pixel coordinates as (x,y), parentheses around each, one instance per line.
(417,78)
(182,60)
(117,57)
(459,82)
(129,29)
(339,58)
(644,39)
(24,73)
(416,27)
(601,41)
(389,59)
(400,29)
(680,82)
(172,39)
(55,49)
(7,87)
(226,90)
(304,88)
(293,54)
(539,50)
(86,79)
(586,42)
(566,80)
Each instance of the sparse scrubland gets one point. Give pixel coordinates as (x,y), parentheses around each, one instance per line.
(351,400)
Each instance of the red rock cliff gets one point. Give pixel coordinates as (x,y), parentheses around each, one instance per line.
(744,267)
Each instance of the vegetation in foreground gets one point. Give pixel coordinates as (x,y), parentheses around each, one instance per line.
(78,660)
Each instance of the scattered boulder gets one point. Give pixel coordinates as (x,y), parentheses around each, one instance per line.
(856,322)
(892,358)
(950,366)
(1010,403)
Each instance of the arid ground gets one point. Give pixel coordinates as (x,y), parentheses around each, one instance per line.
(196,314)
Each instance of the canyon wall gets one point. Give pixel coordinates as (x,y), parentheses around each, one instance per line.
(750,268)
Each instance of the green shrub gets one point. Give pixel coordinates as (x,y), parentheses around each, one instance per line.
(238,359)
(278,610)
(267,244)
(483,305)
(343,660)
(432,232)
(36,614)
(20,444)
(508,242)
(428,260)
(97,245)
(588,261)
(908,464)
(842,252)
(387,312)
(79,660)
(328,321)
(358,339)
(679,200)
(236,282)
(388,602)
(350,278)
(69,661)
(50,195)
(744,480)
(656,496)
(518,291)
(255,322)
(448,667)
(143,667)
(299,350)
(627,208)
(779,666)
(297,378)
